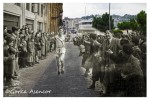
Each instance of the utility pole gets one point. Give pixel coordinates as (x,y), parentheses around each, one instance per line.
(109,19)
(85,12)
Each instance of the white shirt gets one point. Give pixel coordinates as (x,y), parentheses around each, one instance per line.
(60,41)
(60,46)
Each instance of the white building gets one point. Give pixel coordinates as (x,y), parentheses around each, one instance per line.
(85,26)
(72,23)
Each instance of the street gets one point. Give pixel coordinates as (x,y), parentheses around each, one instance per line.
(44,77)
(101,51)
(71,84)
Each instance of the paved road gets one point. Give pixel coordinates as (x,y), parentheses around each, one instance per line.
(71,84)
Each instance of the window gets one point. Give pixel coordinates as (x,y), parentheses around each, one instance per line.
(38,9)
(30,23)
(11,20)
(39,26)
(46,10)
(42,9)
(27,6)
(32,7)
(18,4)
(45,27)
(84,23)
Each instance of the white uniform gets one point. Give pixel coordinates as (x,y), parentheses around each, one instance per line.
(60,47)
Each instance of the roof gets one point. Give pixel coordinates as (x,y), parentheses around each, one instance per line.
(89,20)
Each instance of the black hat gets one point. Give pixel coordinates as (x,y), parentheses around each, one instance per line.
(15,29)
(124,41)
(5,27)
(127,48)
(143,47)
(93,36)
(135,40)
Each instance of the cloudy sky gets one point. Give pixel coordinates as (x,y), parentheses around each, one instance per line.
(74,10)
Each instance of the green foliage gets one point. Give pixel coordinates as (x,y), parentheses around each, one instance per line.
(134,25)
(137,24)
(102,23)
(117,33)
(124,25)
(141,19)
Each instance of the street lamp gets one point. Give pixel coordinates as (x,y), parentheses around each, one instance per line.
(67,26)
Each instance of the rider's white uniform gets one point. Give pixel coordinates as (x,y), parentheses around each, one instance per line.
(60,47)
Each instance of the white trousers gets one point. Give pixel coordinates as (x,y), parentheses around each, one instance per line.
(60,52)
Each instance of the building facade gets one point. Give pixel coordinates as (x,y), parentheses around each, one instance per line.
(71,23)
(44,17)
(55,13)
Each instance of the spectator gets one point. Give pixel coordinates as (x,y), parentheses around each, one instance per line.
(132,73)
(108,65)
(136,49)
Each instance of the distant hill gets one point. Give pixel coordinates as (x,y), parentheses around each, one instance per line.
(125,17)
(87,17)
(117,18)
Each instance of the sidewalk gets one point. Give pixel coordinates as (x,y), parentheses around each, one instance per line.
(29,77)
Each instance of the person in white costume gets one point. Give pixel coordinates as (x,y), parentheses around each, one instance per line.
(60,51)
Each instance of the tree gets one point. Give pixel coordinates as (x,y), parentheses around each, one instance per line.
(102,23)
(137,24)
(117,33)
(141,19)
(134,25)
(124,25)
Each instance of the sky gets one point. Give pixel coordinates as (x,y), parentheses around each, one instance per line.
(73,10)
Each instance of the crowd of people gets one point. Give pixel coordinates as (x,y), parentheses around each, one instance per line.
(24,48)
(118,63)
